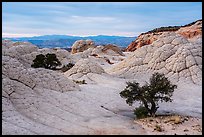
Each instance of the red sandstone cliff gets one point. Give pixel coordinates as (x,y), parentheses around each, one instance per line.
(188,31)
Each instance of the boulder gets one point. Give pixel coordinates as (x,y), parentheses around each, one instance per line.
(82,45)
(83,67)
(112,49)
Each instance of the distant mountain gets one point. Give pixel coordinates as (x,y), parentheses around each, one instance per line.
(65,41)
(46,37)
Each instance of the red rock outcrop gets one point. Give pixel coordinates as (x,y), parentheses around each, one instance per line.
(188,31)
(82,45)
(112,47)
(143,39)
(191,31)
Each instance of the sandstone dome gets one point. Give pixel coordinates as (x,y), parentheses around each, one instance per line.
(82,45)
(83,67)
(26,52)
(171,54)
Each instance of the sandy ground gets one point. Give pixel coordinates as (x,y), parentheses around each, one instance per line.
(171,125)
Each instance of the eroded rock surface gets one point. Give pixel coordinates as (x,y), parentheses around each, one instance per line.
(45,105)
(171,54)
(83,67)
(41,101)
(104,55)
(189,31)
(82,45)
(26,52)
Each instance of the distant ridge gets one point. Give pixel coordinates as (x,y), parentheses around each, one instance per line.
(65,41)
(169,28)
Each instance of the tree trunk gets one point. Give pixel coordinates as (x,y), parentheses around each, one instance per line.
(153,109)
(146,106)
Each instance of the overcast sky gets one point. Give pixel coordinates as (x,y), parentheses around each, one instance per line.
(94,18)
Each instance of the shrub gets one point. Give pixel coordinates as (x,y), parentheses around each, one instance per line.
(48,61)
(159,89)
(67,67)
(51,61)
(39,61)
(141,112)
(158,128)
(80,82)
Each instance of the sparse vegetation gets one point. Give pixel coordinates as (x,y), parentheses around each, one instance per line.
(169,28)
(162,29)
(48,61)
(158,128)
(141,112)
(80,82)
(159,89)
(67,67)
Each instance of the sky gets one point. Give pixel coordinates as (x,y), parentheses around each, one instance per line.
(26,19)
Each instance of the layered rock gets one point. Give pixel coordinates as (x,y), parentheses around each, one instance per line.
(82,45)
(7,43)
(83,67)
(188,31)
(16,65)
(113,50)
(40,101)
(107,54)
(10,43)
(143,39)
(171,54)
(28,95)
(27,52)
(191,31)
(42,78)
(86,48)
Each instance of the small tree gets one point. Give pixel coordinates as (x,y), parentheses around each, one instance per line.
(48,61)
(51,61)
(67,67)
(159,89)
(39,61)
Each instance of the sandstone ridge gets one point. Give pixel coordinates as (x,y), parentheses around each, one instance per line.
(188,31)
(171,54)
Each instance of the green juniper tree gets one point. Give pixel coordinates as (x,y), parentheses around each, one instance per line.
(67,67)
(51,61)
(39,61)
(48,61)
(159,89)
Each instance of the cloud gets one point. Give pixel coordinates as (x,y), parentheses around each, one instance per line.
(13,35)
(80,20)
(94,18)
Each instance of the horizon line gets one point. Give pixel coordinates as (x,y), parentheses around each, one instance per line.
(35,35)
